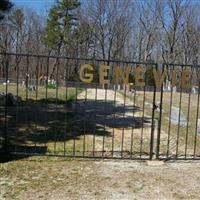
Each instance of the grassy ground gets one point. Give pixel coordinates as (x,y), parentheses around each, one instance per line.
(77,125)
(72,122)
(172,135)
(55,178)
(35,125)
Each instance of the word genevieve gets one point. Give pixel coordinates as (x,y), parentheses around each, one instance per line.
(122,76)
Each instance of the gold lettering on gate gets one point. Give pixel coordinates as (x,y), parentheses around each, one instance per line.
(159,77)
(122,76)
(185,79)
(139,76)
(103,72)
(174,78)
(85,76)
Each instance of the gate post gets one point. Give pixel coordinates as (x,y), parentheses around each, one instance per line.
(153,123)
(159,119)
(6,105)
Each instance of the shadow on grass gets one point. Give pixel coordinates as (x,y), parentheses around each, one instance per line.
(50,121)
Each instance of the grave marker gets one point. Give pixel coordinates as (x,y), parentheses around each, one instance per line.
(175,117)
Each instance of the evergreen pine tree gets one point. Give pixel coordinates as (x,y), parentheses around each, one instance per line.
(61,22)
(5,5)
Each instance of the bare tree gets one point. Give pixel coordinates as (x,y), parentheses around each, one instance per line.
(110,27)
(171,15)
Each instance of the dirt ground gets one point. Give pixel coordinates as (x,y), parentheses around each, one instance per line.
(118,118)
(56,178)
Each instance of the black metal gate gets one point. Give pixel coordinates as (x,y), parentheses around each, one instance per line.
(179,124)
(45,109)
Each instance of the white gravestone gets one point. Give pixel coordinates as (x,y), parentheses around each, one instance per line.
(174,89)
(194,90)
(169,86)
(166,86)
(164,89)
(175,117)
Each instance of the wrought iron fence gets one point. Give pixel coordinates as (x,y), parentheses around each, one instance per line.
(178,137)
(46,110)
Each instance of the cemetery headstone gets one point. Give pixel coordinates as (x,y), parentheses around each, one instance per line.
(194,91)
(5,83)
(164,89)
(169,86)
(175,117)
(118,87)
(174,89)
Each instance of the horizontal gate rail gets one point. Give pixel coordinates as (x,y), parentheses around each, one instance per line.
(74,58)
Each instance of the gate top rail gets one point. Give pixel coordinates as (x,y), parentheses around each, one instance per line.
(75,58)
(96,59)
(181,65)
